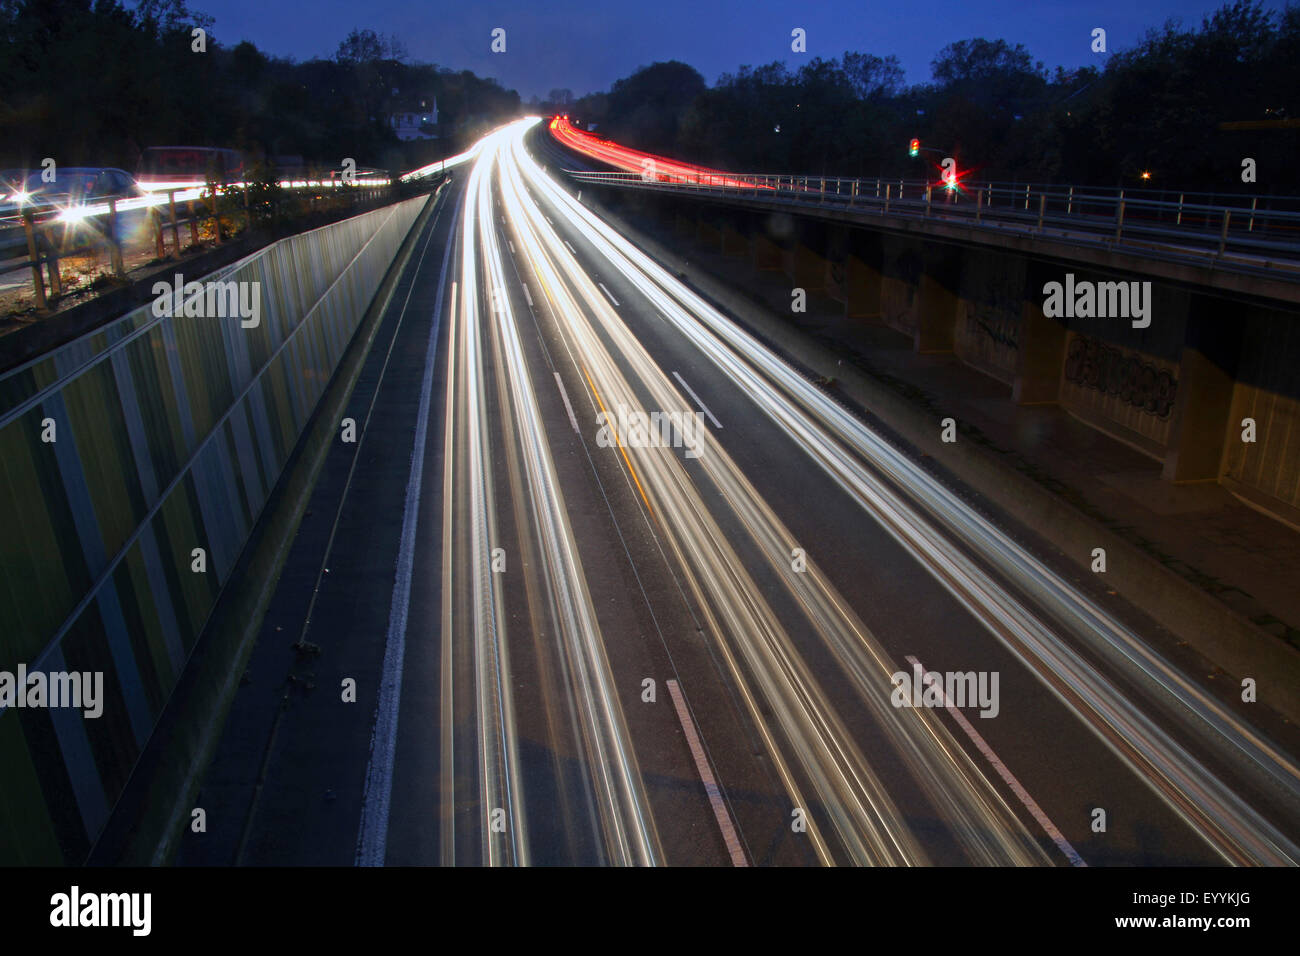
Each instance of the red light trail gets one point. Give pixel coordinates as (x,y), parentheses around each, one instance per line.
(651,167)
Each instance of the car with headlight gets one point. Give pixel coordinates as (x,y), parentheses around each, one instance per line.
(73,207)
(74,193)
(12,182)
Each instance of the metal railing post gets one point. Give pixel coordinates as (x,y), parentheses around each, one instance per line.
(1179,221)
(888,187)
(1069,203)
(823,190)
(160,244)
(1042,208)
(1026,195)
(114,249)
(1223,236)
(176,231)
(194,224)
(979,204)
(52,266)
(853,194)
(1250,226)
(38,281)
(927,202)
(1119,217)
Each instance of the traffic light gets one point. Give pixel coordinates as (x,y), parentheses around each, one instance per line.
(949,174)
(914,147)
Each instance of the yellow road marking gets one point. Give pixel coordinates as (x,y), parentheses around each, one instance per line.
(621,450)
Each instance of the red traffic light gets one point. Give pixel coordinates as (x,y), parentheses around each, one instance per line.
(914,147)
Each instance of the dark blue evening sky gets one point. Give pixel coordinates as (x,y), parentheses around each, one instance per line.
(585,45)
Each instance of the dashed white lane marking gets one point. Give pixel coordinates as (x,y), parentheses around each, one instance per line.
(704,408)
(608,293)
(567,407)
(571,249)
(511,245)
(1031,805)
(729,836)
(529,296)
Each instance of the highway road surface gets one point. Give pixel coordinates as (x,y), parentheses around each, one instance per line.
(620,585)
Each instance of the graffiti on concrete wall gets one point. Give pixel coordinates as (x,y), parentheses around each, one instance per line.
(992,296)
(1136,382)
(994,324)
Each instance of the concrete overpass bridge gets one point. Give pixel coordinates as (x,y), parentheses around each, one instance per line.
(993,272)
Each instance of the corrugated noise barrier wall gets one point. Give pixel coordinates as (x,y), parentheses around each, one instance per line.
(121,455)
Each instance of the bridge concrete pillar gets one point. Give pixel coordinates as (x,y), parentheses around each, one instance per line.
(1203,403)
(709,233)
(837,250)
(685,224)
(862,279)
(901,265)
(787,259)
(808,264)
(808,269)
(938,300)
(768,256)
(735,242)
(1040,357)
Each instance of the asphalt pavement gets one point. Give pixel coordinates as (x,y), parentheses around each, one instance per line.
(703,637)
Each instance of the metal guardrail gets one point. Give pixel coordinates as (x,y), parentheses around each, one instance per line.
(200,204)
(45,247)
(1250,237)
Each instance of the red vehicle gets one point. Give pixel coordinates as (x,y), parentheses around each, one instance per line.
(170,167)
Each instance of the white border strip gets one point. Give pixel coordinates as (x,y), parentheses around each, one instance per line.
(1031,805)
(704,408)
(372,840)
(728,828)
(567,407)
